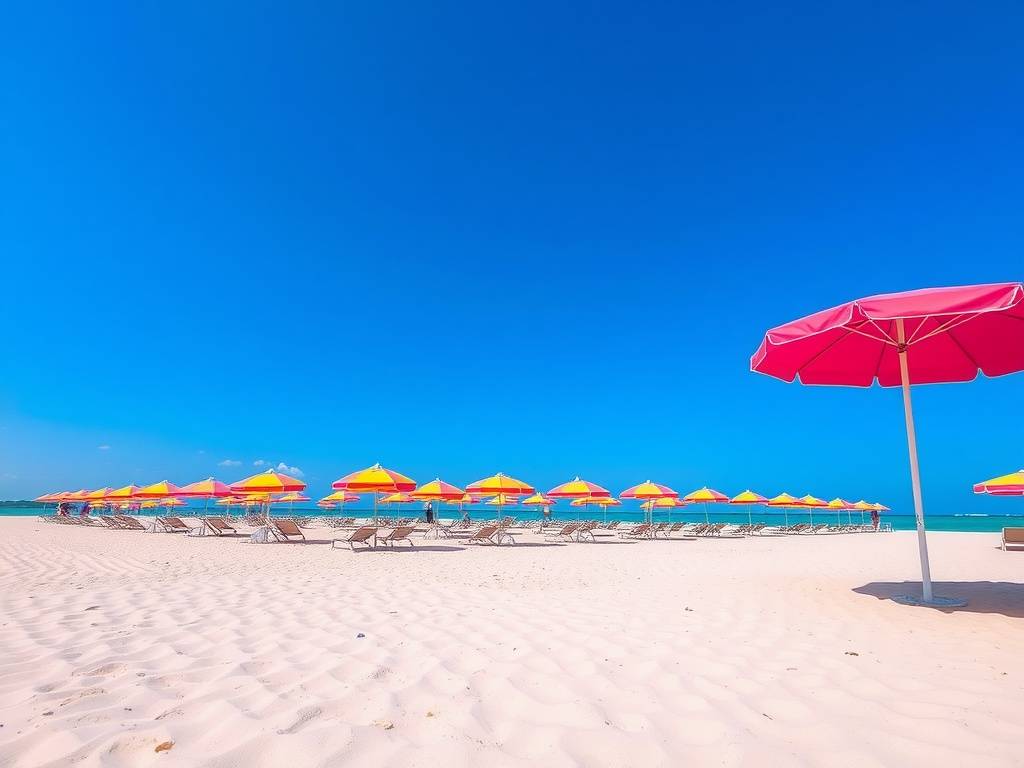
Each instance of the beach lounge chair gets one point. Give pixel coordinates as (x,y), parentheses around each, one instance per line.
(1013,538)
(218,526)
(359,536)
(487,534)
(172,525)
(565,533)
(399,535)
(286,529)
(129,523)
(642,530)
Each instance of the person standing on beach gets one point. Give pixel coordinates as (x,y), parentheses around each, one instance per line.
(874,519)
(428,512)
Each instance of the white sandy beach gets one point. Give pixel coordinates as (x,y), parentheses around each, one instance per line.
(770,651)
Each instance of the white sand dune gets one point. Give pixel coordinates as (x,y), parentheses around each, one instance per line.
(763,651)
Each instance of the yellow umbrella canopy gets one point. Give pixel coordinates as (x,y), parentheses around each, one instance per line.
(665,501)
(377,479)
(863,506)
(160,490)
(127,493)
(97,495)
(787,502)
(706,496)
(341,497)
(438,490)
(270,481)
(810,503)
(500,484)
(748,498)
(537,500)
(398,498)
(503,499)
(1004,485)
(578,489)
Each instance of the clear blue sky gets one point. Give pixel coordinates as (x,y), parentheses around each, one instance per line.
(458,238)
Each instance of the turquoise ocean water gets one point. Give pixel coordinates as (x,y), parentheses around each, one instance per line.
(976,523)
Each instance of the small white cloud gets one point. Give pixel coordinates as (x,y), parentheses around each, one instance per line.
(282,467)
(260,463)
(229,463)
(102,447)
(201,451)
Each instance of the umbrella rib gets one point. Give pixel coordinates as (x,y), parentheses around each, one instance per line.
(821,352)
(885,336)
(946,327)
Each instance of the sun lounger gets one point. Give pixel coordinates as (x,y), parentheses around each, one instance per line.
(129,523)
(565,533)
(359,536)
(218,526)
(285,529)
(399,535)
(642,530)
(172,525)
(1013,538)
(489,534)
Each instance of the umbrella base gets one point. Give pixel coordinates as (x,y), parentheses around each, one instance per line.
(935,602)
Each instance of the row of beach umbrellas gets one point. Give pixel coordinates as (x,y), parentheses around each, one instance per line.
(390,487)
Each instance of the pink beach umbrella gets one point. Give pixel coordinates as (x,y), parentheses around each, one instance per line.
(930,336)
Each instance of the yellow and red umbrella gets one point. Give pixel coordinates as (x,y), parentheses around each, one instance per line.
(841,505)
(578,489)
(1004,485)
(81,495)
(748,498)
(341,497)
(500,485)
(289,499)
(503,499)
(438,490)
(97,495)
(602,501)
(209,488)
(375,479)
(786,502)
(811,503)
(538,500)
(397,498)
(123,495)
(161,490)
(648,490)
(706,496)
(270,481)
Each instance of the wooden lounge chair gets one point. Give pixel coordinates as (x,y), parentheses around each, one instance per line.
(399,535)
(359,536)
(565,533)
(129,523)
(172,525)
(642,530)
(286,530)
(487,534)
(218,526)
(1013,538)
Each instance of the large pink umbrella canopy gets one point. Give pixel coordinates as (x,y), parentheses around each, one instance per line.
(929,336)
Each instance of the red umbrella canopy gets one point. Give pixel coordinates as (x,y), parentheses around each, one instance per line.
(268,482)
(578,489)
(161,490)
(949,334)
(208,488)
(648,490)
(377,479)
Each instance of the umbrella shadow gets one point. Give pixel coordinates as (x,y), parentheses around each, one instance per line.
(1002,597)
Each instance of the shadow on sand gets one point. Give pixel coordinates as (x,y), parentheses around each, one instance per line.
(1002,597)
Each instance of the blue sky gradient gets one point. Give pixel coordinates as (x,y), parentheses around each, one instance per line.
(465,238)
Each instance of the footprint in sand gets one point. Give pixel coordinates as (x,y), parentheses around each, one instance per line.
(306,716)
(112,668)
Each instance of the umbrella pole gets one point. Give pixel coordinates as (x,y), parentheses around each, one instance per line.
(915,476)
(707,519)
